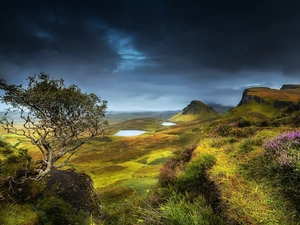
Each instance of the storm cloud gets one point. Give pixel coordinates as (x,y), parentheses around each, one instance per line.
(153,55)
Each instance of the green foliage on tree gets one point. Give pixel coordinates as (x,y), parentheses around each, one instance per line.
(58,119)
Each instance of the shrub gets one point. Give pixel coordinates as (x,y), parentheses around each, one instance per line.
(195,171)
(244,123)
(13,160)
(283,151)
(185,154)
(223,130)
(282,155)
(241,129)
(167,175)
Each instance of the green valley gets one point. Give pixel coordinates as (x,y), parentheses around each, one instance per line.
(208,168)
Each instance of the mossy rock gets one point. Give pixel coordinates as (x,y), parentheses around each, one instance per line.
(75,188)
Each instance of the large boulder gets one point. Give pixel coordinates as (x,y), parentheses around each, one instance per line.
(76,189)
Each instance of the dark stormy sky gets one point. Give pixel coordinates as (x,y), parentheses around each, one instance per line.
(153,54)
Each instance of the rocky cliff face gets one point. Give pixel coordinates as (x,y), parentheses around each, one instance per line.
(249,95)
(290,86)
(262,103)
(282,98)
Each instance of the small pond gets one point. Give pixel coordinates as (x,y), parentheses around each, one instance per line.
(168,124)
(128,133)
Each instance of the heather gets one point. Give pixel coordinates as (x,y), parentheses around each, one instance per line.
(282,156)
(283,151)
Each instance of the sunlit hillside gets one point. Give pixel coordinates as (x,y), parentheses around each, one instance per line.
(195,111)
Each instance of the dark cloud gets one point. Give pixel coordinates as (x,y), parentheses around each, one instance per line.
(153,54)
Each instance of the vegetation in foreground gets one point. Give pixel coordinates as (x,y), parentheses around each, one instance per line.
(229,170)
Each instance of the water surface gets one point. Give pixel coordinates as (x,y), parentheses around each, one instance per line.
(128,133)
(168,124)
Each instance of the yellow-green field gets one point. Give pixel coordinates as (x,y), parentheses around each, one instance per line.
(123,166)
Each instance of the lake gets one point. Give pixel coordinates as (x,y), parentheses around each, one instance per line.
(168,124)
(128,133)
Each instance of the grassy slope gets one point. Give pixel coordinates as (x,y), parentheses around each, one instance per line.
(246,198)
(119,117)
(252,111)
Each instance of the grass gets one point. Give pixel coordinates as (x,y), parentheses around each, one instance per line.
(246,199)
(201,116)
(280,95)
(125,172)
(12,214)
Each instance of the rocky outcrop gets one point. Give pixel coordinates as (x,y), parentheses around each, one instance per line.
(248,95)
(282,98)
(76,189)
(290,86)
(261,103)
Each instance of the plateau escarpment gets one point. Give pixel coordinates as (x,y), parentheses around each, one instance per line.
(261,103)
(290,86)
(284,97)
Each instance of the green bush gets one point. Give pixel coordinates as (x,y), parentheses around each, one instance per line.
(244,123)
(185,154)
(223,130)
(167,176)
(241,129)
(195,170)
(12,159)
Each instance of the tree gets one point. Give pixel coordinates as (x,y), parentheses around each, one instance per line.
(58,119)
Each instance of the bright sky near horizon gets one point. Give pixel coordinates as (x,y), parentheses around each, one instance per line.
(155,54)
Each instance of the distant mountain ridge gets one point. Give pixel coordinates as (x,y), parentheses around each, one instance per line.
(220,108)
(196,110)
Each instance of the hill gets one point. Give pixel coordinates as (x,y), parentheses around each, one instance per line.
(196,110)
(117,117)
(262,103)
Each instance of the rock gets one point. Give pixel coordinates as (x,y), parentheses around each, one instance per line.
(250,94)
(76,189)
(290,86)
